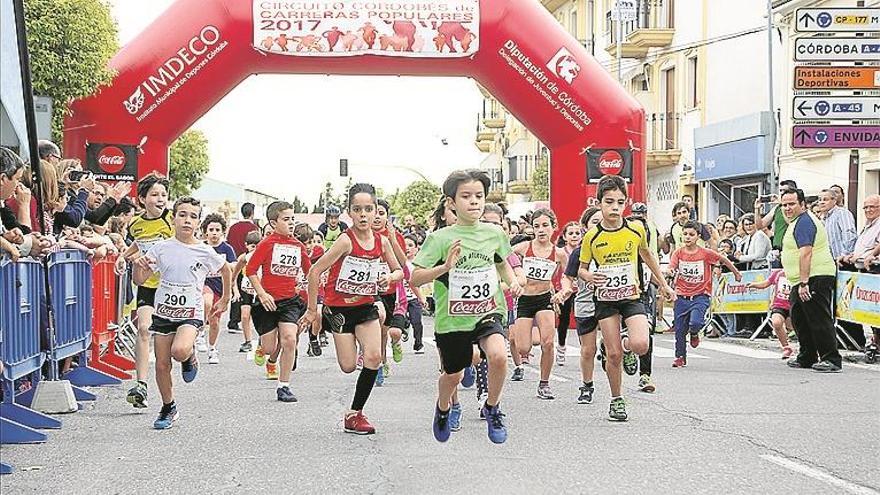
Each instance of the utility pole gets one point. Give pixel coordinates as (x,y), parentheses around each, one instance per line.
(774,180)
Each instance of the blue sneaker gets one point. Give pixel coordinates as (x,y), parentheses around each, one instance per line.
(167,417)
(455,417)
(495,423)
(441,424)
(189,369)
(468,380)
(380,377)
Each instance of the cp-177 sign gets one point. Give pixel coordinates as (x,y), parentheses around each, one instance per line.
(405,28)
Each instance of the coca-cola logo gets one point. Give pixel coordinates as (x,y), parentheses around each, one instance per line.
(471,307)
(346,287)
(174,312)
(111,159)
(615,294)
(283,271)
(610,163)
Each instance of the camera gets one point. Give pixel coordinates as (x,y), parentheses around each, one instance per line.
(77,175)
(765,198)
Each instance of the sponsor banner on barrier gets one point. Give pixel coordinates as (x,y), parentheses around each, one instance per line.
(730,296)
(112,161)
(858,297)
(404,28)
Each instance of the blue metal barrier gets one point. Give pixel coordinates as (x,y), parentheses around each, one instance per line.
(70,277)
(20,309)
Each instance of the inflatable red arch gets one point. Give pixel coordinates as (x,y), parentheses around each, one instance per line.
(199,50)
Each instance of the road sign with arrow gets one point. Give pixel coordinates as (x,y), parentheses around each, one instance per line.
(836,107)
(830,20)
(837,49)
(835,136)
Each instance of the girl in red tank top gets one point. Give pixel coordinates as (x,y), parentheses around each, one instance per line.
(392,326)
(350,293)
(538,304)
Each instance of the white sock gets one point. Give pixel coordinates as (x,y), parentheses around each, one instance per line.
(283,384)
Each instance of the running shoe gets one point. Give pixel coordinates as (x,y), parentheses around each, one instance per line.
(544,391)
(397,352)
(695,340)
(137,396)
(586,395)
(271,371)
(189,369)
(259,356)
(284,394)
(441,425)
(380,377)
(201,343)
(358,424)
(646,384)
(455,417)
(246,347)
(322,339)
(826,367)
(518,374)
(234,330)
(495,423)
(482,379)
(617,410)
(167,416)
(386,368)
(560,355)
(630,363)
(795,363)
(404,335)
(419,349)
(314,348)
(467,381)
(787,351)
(213,356)
(679,362)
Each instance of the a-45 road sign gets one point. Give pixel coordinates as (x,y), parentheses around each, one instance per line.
(840,20)
(836,107)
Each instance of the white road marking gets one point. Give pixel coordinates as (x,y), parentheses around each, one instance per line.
(663,352)
(820,475)
(736,350)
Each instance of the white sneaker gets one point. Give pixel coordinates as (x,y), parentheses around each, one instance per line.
(201,345)
(560,355)
(213,356)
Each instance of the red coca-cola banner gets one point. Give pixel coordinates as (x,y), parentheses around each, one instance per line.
(610,162)
(196,52)
(112,161)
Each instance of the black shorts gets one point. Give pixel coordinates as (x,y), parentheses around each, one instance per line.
(626,309)
(780,311)
(529,306)
(586,326)
(389,302)
(287,311)
(146,296)
(162,326)
(457,348)
(344,319)
(246,299)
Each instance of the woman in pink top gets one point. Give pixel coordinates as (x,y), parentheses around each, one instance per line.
(780,308)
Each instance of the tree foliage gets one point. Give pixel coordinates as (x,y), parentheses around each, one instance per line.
(70,43)
(417,199)
(299,206)
(540,181)
(189,162)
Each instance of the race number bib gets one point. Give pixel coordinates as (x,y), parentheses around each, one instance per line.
(472,292)
(247,287)
(358,277)
(144,245)
(692,272)
(285,260)
(539,268)
(177,302)
(620,283)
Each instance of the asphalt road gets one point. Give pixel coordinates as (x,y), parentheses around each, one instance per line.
(736,420)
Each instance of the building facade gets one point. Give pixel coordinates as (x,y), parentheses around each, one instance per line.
(226,199)
(701,70)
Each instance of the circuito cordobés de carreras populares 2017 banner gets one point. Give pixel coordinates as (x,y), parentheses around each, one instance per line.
(402,28)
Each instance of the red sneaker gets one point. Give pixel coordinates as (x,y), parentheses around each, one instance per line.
(695,340)
(358,424)
(787,352)
(679,362)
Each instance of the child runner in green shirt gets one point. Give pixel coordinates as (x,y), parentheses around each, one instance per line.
(465,261)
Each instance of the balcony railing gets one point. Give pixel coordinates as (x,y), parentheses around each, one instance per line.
(663,130)
(652,28)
